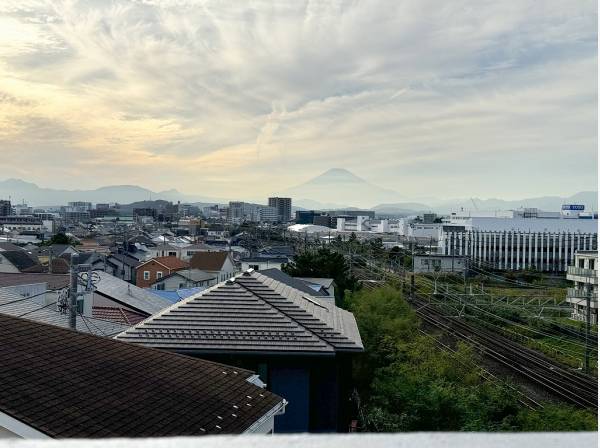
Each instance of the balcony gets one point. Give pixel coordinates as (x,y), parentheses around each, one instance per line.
(589,275)
(575,293)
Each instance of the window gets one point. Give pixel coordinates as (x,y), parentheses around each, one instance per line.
(591,264)
(172,254)
(160,287)
(159,274)
(581,263)
(254,266)
(146,275)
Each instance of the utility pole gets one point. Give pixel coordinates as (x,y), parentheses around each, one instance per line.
(588,316)
(466,273)
(73,293)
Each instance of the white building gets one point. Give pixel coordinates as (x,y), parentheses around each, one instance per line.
(529,239)
(268,214)
(584,275)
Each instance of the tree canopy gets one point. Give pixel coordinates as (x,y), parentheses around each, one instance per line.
(408,382)
(323,263)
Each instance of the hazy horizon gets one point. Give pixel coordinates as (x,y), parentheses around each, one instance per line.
(471,99)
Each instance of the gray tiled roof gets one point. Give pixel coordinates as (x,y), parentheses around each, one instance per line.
(192,275)
(16,305)
(251,313)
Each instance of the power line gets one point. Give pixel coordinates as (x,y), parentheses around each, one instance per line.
(31,297)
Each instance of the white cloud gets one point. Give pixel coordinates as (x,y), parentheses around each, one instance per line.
(239,100)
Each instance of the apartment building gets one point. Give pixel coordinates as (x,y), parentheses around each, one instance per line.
(584,275)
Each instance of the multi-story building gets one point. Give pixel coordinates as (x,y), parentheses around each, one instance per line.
(20,224)
(584,274)
(239,212)
(283,206)
(268,214)
(529,239)
(5,208)
(79,206)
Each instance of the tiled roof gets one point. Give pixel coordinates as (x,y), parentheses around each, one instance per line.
(192,275)
(117,314)
(68,384)
(20,259)
(209,261)
(125,259)
(60,266)
(265,258)
(8,246)
(251,313)
(54,281)
(172,263)
(16,305)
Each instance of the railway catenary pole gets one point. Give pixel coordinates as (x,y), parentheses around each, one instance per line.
(588,316)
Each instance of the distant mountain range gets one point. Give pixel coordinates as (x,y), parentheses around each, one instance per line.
(19,190)
(334,189)
(339,188)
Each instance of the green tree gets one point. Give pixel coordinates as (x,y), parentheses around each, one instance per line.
(407,383)
(59,238)
(324,263)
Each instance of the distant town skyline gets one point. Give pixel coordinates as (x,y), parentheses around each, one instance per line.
(471,98)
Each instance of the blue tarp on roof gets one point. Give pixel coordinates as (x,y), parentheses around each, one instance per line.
(180,294)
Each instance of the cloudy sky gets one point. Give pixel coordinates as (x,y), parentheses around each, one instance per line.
(429,98)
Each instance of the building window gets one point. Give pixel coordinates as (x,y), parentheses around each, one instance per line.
(159,274)
(591,264)
(160,287)
(172,254)
(146,275)
(254,266)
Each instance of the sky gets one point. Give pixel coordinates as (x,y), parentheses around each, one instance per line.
(244,99)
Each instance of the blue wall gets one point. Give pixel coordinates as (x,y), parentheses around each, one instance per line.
(293,384)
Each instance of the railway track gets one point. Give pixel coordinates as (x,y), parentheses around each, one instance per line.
(574,387)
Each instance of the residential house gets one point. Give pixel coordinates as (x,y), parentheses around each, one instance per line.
(18,261)
(35,308)
(185,278)
(165,250)
(94,259)
(110,291)
(55,251)
(189,251)
(219,263)
(44,287)
(300,345)
(263,262)
(156,268)
(60,384)
(326,286)
(122,266)
(306,285)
